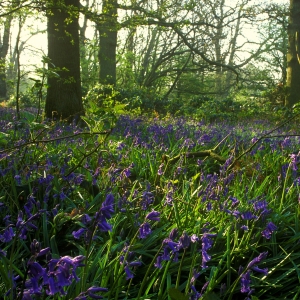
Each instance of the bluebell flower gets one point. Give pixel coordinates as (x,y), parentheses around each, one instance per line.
(195,295)
(107,208)
(248,215)
(7,235)
(129,273)
(244,227)
(257,259)
(166,254)
(160,169)
(147,199)
(144,230)
(158,262)
(195,276)
(257,269)
(18,179)
(153,216)
(245,282)
(267,232)
(205,259)
(173,234)
(184,240)
(77,234)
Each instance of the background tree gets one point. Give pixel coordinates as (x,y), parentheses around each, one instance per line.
(4,46)
(64,98)
(293,56)
(108,32)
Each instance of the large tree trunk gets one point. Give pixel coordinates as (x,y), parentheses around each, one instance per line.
(108,43)
(4,45)
(293,56)
(64,99)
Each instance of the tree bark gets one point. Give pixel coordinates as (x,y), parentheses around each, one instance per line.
(293,55)
(64,99)
(4,45)
(108,43)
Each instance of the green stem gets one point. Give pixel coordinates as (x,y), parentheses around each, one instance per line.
(147,272)
(179,270)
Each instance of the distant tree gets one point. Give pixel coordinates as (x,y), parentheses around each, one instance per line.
(293,56)
(4,46)
(108,32)
(64,99)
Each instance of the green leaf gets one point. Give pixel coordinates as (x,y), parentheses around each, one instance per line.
(3,138)
(211,296)
(175,294)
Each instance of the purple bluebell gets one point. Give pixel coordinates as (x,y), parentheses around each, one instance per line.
(194,295)
(259,270)
(153,216)
(128,272)
(173,234)
(248,215)
(244,227)
(166,254)
(257,259)
(195,276)
(184,241)
(270,228)
(7,235)
(158,262)
(144,230)
(194,238)
(245,282)
(77,234)
(147,199)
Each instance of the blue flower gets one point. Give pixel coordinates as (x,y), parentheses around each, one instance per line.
(7,235)
(77,234)
(153,216)
(267,232)
(257,259)
(107,206)
(144,230)
(129,273)
(184,240)
(245,282)
(158,262)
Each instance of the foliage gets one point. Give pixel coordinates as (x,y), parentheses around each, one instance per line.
(91,213)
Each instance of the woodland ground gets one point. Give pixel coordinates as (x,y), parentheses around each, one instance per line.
(154,209)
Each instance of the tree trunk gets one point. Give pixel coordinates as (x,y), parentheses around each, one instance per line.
(108,43)
(4,45)
(293,55)
(64,99)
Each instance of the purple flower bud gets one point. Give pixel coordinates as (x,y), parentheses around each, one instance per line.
(153,216)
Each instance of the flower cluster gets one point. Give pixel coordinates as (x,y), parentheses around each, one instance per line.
(53,278)
(145,228)
(129,261)
(245,279)
(100,220)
